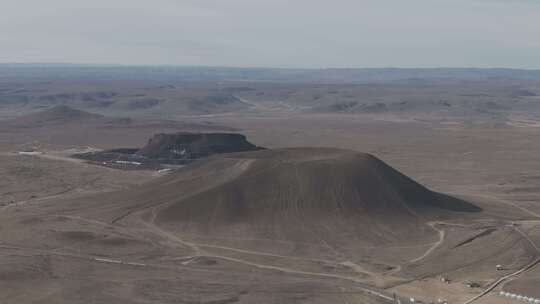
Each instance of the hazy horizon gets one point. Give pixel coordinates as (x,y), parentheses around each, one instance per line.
(274,34)
(187,66)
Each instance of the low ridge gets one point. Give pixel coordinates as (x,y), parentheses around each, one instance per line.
(55,115)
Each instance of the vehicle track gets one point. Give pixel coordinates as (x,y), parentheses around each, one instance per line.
(442,236)
(201,253)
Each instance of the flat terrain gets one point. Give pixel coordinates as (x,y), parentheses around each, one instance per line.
(288,225)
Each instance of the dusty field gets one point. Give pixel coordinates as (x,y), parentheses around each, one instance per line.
(63,232)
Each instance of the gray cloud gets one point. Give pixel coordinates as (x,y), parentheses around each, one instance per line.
(282,33)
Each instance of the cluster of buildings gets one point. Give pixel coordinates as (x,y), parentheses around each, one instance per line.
(415,301)
(514,296)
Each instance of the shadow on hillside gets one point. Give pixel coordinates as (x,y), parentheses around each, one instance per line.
(451,203)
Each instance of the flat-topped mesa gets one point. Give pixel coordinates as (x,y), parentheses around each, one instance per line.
(194,145)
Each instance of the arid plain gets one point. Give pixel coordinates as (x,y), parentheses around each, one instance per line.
(366,190)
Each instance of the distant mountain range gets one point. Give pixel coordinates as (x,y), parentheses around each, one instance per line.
(331,75)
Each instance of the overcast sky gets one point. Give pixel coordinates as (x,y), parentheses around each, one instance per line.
(274,33)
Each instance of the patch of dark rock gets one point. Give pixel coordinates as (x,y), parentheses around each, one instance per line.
(471,239)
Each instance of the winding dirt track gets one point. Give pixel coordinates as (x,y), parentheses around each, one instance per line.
(442,235)
(201,253)
(198,252)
